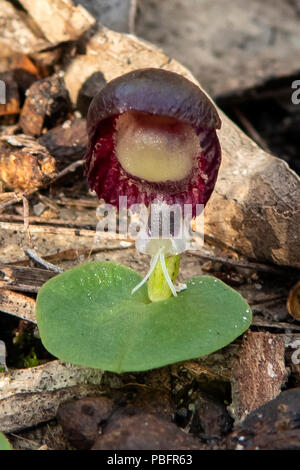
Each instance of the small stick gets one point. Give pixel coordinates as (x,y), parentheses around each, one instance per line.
(241,264)
(71,254)
(132,15)
(31,441)
(11,202)
(278,325)
(78,202)
(251,131)
(7,196)
(45,200)
(26,220)
(267,299)
(41,221)
(48,229)
(68,169)
(51,267)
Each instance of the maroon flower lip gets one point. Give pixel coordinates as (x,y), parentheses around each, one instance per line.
(152,135)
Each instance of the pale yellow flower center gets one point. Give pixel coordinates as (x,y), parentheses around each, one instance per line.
(155,148)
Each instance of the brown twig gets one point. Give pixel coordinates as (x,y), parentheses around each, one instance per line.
(267,299)
(71,254)
(31,252)
(68,169)
(10,202)
(78,202)
(41,221)
(250,129)
(7,195)
(132,15)
(45,200)
(26,220)
(277,325)
(48,229)
(77,232)
(261,267)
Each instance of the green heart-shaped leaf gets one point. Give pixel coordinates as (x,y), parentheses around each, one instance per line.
(87,316)
(4,444)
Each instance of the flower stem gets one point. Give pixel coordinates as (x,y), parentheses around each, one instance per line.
(160,284)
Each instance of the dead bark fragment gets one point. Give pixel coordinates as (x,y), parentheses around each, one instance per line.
(25,410)
(48,377)
(59,20)
(17,304)
(23,278)
(16,37)
(273,426)
(66,143)
(30,396)
(47,103)
(258,372)
(25,164)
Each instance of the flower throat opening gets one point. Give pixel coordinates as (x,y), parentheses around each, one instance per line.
(155,148)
